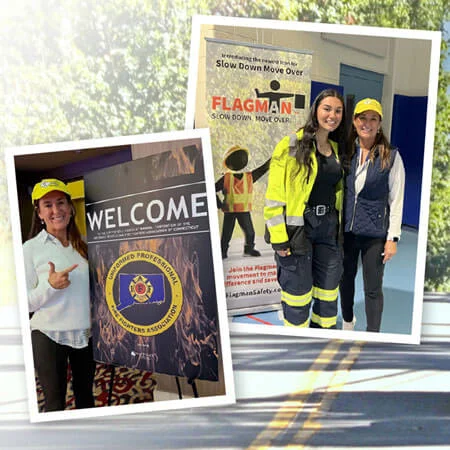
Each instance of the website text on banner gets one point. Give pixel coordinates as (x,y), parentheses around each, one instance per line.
(254,96)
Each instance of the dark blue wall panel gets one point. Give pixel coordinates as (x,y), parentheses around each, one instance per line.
(408,134)
(317,87)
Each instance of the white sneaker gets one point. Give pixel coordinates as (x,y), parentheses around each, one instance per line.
(349,326)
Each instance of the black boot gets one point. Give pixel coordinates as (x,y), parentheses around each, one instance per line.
(249,250)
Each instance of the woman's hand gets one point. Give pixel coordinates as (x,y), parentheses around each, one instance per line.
(284,253)
(59,280)
(390,249)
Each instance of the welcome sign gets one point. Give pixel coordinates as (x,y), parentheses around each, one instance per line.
(178,209)
(151,265)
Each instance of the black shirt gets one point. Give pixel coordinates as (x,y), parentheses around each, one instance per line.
(329,173)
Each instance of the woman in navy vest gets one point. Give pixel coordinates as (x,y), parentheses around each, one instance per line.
(373,207)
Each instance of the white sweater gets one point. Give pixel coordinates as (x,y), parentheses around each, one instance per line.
(56,309)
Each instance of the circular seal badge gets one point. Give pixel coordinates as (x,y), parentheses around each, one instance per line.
(143,293)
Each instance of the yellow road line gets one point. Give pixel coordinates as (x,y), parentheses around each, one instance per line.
(295,402)
(338,380)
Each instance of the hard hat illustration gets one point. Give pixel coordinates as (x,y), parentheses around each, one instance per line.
(236,158)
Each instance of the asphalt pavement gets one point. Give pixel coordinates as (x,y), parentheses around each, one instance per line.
(292,392)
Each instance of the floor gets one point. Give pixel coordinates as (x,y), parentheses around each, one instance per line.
(399,281)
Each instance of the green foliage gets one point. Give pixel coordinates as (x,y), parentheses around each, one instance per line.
(437,277)
(75,69)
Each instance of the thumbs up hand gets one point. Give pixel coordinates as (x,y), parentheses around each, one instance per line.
(59,280)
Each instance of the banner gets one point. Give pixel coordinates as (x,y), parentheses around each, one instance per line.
(151,265)
(255,95)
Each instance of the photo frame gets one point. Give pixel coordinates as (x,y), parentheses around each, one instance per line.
(227,102)
(150,169)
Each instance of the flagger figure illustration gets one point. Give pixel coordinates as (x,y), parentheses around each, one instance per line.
(236,186)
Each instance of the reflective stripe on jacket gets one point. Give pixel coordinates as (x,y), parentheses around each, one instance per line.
(238,193)
(288,190)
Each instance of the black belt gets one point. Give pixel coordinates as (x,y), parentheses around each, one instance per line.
(321,210)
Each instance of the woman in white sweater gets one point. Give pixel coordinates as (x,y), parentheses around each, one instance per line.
(57,278)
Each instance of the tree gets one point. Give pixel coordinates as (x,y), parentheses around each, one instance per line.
(83,69)
(437,275)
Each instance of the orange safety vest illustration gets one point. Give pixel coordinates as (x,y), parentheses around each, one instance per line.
(238,193)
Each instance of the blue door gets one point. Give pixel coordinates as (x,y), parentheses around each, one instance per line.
(360,83)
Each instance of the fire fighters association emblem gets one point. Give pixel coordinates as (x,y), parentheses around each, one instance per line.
(140,289)
(143,293)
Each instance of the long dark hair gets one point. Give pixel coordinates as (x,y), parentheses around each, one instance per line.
(380,148)
(306,145)
(73,233)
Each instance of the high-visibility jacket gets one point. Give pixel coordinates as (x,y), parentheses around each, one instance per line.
(238,193)
(288,191)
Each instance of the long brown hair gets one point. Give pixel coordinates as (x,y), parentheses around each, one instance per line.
(381,148)
(306,145)
(73,233)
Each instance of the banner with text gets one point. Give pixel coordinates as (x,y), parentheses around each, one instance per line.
(151,265)
(255,95)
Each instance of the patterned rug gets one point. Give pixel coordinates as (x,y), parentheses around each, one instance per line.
(130,386)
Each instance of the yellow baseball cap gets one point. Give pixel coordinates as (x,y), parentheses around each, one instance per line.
(368,104)
(46,186)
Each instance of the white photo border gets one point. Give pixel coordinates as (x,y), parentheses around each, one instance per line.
(434,37)
(223,326)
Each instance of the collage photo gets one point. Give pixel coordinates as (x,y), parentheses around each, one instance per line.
(235,239)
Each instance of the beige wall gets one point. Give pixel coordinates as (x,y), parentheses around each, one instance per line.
(403,62)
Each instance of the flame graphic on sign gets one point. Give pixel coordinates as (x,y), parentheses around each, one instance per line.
(195,352)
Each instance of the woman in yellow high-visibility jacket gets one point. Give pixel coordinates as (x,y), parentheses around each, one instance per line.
(303,214)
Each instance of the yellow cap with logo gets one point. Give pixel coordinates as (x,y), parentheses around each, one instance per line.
(368,104)
(46,186)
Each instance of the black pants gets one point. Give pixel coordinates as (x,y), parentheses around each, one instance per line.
(312,277)
(245,222)
(50,361)
(373,271)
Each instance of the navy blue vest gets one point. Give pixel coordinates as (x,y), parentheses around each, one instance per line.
(368,214)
